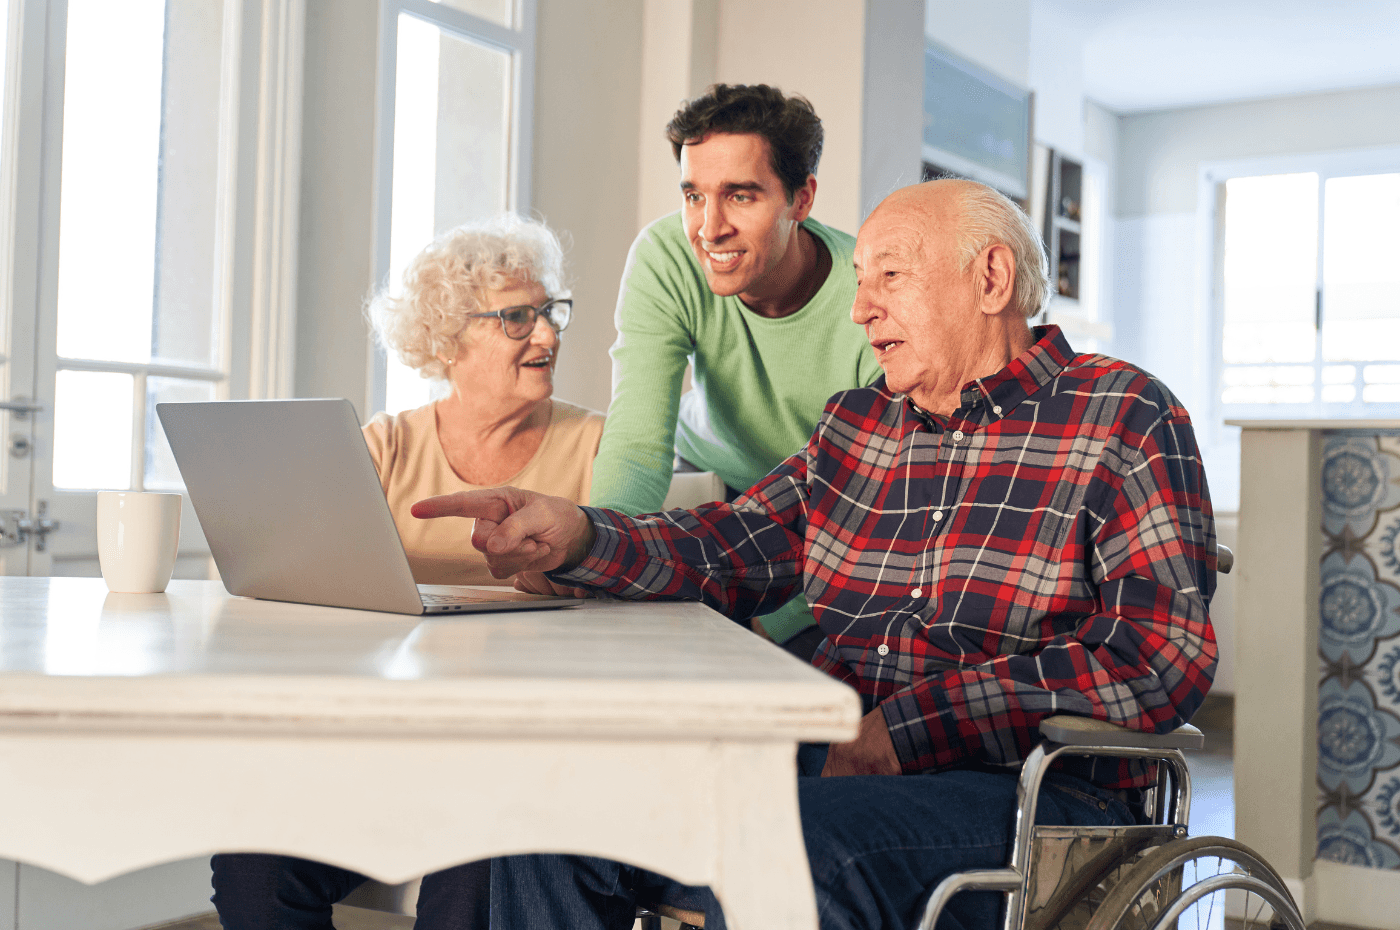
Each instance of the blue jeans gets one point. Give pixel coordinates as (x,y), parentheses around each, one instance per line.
(255,891)
(877,846)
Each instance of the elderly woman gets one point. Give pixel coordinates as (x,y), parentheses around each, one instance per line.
(481,308)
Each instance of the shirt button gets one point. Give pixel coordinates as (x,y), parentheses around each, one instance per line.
(996,410)
(937,515)
(883,649)
(958,435)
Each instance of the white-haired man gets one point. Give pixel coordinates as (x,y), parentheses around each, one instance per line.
(998,531)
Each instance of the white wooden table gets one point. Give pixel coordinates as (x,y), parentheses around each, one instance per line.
(148,728)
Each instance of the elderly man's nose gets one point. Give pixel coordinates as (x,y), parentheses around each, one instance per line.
(863,309)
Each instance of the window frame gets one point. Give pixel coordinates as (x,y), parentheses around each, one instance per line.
(1211,237)
(255,214)
(519,41)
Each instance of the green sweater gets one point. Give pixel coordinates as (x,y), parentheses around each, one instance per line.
(760,384)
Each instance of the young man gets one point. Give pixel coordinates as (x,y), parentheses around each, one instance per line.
(746,286)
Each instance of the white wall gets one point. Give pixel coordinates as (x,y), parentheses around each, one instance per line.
(586,167)
(1056,74)
(995,34)
(1161,152)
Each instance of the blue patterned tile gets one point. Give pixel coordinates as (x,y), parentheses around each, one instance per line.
(1385,671)
(1386,545)
(1356,483)
(1356,608)
(1350,841)
(1355,738)
(1386,805)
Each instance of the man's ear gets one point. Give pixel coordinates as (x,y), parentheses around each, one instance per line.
(803,198)
(996,268)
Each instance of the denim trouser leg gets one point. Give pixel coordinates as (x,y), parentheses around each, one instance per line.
(458,898)
(256,891)
(560,891)
(877,845)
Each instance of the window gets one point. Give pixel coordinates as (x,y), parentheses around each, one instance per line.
(1309,294)
(149,172)
(457,137)
(136,320)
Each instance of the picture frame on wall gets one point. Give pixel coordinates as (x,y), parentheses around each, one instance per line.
(976,124)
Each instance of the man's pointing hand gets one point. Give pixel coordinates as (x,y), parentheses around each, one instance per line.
(518,531)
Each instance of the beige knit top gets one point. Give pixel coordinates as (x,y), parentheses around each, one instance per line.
(412,466)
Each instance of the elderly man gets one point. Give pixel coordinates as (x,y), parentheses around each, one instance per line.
(999,530)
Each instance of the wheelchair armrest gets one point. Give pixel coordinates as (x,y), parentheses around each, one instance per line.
(1084,731)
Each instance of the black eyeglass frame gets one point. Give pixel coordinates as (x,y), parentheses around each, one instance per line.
(545,310)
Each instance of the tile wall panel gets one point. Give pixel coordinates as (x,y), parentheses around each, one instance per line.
(1358,769)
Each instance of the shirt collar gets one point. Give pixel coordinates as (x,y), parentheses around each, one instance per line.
(1028,372)
(1001,393)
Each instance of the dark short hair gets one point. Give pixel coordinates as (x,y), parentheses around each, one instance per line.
(788,124)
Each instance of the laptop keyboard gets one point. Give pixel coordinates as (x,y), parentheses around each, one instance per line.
(433,599)
(442,600)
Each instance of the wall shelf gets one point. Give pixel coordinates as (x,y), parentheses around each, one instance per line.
(1064,197)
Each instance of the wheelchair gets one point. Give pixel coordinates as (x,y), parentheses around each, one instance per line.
(1152,876)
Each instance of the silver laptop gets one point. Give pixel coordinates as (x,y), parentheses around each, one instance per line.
(288,498)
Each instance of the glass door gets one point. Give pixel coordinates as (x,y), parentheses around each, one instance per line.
(122,310)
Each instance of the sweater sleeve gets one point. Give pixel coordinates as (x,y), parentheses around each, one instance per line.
(654,340)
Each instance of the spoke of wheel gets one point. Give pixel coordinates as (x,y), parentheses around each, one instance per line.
(1210,908)
(1262,904)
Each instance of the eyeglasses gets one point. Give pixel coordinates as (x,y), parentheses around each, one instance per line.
(519,322)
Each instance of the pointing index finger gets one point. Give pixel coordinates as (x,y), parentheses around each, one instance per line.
(485,504)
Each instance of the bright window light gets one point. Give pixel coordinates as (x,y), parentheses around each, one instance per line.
(1360,272)
(415,173)
(92,430)
(111,168)
(1270,268)
(452,117)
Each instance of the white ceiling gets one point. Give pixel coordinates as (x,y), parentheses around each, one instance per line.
(1157,54)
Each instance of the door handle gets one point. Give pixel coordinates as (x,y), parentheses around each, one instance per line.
(20,407)
(16,527)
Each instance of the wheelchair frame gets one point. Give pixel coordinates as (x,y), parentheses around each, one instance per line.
(1095,878)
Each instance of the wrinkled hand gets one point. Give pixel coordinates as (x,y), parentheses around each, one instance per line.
(518,531)
(870,753)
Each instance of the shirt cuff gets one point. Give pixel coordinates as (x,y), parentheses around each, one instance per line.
(599,566)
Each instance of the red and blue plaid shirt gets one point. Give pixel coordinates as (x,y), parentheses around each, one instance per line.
(1048,548)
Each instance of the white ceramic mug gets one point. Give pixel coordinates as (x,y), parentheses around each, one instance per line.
(138,536)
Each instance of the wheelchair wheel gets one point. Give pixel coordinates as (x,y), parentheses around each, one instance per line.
(1183,884)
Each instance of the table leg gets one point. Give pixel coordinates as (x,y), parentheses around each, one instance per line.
(763,882)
